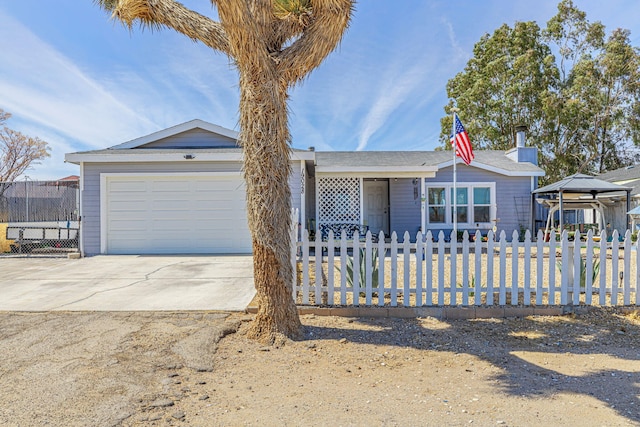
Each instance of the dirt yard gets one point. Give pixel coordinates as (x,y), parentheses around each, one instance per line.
(175,369)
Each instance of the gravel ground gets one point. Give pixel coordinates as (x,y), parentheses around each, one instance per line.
(164,369)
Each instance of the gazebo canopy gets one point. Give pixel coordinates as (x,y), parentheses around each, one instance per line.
(580,183)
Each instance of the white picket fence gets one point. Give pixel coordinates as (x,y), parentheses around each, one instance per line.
(587,270)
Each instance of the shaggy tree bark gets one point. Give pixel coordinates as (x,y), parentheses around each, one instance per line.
(274,44)
(264,136)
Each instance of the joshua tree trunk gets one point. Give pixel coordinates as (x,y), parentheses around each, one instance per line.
(274,44)
(265,139)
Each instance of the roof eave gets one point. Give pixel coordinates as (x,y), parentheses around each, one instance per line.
(122,156)
(379,171)
(476,164)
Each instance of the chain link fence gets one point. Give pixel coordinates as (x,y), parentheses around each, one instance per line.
(39,217)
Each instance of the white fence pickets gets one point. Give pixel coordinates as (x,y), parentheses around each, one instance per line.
(570,269)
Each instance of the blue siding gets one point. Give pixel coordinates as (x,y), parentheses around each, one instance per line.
(405,213)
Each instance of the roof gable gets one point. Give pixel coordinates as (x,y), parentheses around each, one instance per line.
(192,134)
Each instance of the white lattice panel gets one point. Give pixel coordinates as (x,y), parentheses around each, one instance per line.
(338,200)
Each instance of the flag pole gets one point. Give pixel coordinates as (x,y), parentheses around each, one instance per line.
(455,195)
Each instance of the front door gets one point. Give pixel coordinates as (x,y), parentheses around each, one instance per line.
(376,205)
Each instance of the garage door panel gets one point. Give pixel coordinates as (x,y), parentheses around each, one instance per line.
(128,224)
(175,202)
(177,215)
(217,185)
(128,186)
(177,210)
(124,205)
(165,186)
(162,226)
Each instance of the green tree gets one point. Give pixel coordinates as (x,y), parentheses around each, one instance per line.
(504,85)
(273,44)
(580,106)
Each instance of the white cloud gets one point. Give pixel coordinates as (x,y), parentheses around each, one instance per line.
(74,107)
(42,85)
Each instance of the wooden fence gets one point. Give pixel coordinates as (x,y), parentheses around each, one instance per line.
(570,269)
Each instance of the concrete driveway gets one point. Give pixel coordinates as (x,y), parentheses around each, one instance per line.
(127,283)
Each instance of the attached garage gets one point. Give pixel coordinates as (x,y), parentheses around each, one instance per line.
(176,191)
(174,214)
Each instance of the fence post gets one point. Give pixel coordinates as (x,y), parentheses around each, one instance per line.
(428,256)
(382,254)
(478,268)
(406,254)
(441,268)
(514,267)
(318,282)
(305,265)
(627,268)
(356,268)
(465,268)
(394,269)
(527,268)
(588,260)
(552,268)
(540,244)
(577,270)
(453,270)
(343,267)
(419,262)
(368,268)
(566,266)
(615,247)
(503,268)
(602,286)
(294,251)
(490,256)
(331,247)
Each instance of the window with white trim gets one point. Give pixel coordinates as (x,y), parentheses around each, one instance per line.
(436,205)
(475,204)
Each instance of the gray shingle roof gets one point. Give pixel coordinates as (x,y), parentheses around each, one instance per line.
(493,158)
(623,174)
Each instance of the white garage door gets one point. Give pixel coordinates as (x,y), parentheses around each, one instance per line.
(175,215)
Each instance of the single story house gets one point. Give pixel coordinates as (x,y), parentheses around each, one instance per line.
(180,190)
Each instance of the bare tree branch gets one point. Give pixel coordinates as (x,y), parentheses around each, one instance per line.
(18,152)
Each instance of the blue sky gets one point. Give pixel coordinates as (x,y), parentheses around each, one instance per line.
(81,81)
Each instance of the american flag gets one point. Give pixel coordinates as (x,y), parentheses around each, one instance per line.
(461,142)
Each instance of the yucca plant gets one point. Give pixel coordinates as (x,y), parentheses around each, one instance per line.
(583,271)
(362,268)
